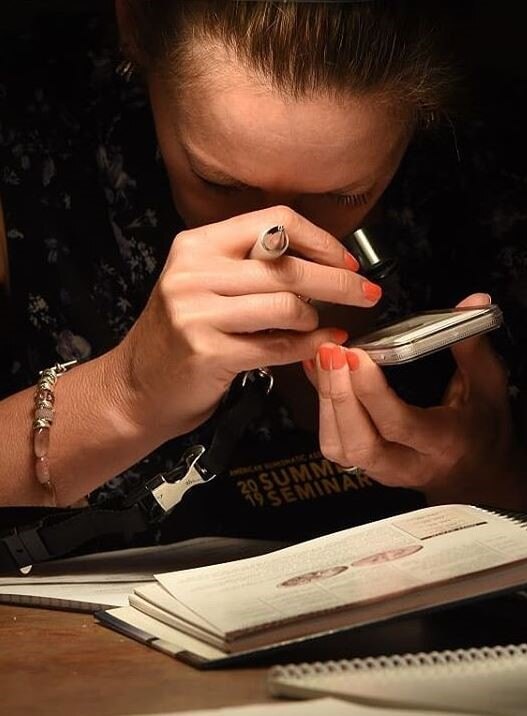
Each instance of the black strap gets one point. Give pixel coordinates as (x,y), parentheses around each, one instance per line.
(39,534)
(65,531)
(244,404)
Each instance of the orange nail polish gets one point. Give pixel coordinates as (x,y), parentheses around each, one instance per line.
(338,359)
(353,360)
(351,262)
(371,291)
(339,335)
(324,357)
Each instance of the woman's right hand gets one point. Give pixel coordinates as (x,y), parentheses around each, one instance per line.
(210,313)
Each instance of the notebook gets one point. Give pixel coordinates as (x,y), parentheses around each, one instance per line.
(403,565)
(488,680)
(92,582)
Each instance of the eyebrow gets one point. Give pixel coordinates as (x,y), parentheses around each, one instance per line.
(210,173)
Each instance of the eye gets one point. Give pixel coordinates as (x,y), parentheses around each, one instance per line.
(350,200)
(220,188)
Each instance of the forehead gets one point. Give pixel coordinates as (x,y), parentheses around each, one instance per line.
(239,123)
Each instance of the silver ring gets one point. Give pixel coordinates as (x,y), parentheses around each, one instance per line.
(264,373)
(354,470)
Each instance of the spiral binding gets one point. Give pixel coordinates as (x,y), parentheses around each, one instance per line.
(519,518)
(421,659)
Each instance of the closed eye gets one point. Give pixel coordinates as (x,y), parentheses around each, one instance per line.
(223,188)
(350,200)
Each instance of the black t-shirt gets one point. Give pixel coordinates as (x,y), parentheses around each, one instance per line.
(90,220)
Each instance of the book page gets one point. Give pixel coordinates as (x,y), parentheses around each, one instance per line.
(154,593)
(105,594)
(146,629)
(364,563)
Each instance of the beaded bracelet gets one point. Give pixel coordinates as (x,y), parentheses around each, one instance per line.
(43,420)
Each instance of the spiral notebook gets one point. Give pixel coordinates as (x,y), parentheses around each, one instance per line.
(487,680)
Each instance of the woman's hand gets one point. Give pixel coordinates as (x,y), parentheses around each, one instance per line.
(460,451)
(210,315)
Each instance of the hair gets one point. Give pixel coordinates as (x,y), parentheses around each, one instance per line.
(394,49)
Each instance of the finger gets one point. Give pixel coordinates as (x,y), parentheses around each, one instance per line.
(360,442)
(328,434)
(344,421)
(235,237)
(304,278)
(278,347)
(311,371)
(466,347)
(475,300)
(477,362)
(258,312)
(456,392)
(395,420)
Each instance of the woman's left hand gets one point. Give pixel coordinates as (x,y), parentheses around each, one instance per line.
(462,450)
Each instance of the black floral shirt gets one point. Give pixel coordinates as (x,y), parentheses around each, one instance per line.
(90,219)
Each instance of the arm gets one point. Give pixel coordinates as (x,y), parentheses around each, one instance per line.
(207,320)
(92,438)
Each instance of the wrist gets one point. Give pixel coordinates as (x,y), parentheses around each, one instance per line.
(125,404)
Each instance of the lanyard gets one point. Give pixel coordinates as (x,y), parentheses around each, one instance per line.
(40,535)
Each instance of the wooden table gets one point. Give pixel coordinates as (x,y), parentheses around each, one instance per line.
(64,664)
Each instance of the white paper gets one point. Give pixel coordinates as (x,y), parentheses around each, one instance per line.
(106,594)
(316,707)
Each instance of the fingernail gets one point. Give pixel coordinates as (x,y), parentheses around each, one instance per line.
(338,335)
(352,359)
(371,291)
(488,296)
(338,359)
(351,262)
(324,357)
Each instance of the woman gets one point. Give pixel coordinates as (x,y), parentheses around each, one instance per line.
(265,114)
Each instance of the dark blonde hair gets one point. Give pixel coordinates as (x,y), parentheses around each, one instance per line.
(396,49)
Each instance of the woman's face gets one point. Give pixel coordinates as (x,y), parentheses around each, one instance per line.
(232,145)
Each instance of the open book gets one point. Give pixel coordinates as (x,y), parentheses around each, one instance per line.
(368,574)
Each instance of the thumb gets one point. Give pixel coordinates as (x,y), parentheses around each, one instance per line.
(476,361)
(310,371)
(457,391)
(475,300)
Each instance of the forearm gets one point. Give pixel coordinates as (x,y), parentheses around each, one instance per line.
(93,437)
